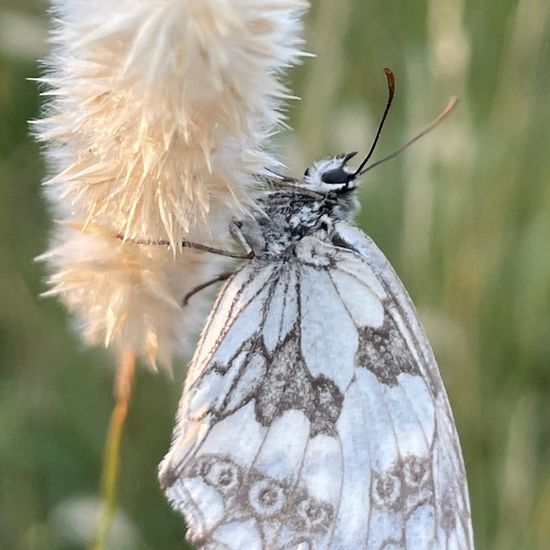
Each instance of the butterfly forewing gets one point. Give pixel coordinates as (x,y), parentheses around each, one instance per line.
(314,415)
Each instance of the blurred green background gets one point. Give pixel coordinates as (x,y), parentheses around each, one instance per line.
(464,217)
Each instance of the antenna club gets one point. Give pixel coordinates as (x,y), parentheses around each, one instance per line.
(391,81)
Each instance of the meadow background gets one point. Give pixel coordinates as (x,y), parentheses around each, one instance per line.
(464,217)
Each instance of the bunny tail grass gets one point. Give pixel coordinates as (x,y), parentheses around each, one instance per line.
(156,122)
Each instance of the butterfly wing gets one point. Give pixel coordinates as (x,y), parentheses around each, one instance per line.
(447,484)
(313,415)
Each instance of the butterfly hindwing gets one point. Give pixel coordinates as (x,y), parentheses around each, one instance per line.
(313,415)
(426,393)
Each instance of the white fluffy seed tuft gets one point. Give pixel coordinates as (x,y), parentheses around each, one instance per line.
(125,295)
(156,128)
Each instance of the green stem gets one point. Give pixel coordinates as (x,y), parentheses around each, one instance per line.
(111,460)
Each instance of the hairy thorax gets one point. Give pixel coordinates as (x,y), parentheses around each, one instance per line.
(288,216)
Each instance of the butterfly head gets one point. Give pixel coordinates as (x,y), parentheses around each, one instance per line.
(331,174)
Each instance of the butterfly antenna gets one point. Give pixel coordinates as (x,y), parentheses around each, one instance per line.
(453,102)
(391,91)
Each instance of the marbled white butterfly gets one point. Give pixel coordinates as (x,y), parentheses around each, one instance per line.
(313,414)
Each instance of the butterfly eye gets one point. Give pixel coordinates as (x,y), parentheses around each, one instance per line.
(338,175)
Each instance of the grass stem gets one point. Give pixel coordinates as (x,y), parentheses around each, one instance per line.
(111,462)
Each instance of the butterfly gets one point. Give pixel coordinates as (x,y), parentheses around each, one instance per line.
(313,414)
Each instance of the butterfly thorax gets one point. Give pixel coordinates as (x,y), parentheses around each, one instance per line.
(309,205)
(287,216)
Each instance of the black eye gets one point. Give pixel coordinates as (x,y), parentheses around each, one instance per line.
(338,175)
(306,172)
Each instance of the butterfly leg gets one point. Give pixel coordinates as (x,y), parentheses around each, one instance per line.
(198,288)
(193,245)
(219,251)
(249,235)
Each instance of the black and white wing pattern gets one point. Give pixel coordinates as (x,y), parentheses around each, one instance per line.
(314,416)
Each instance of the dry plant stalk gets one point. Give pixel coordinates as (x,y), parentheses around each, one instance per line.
(123,393)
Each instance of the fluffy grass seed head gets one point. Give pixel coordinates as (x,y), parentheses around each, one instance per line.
(155,128)
(160,109)
(126,295)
